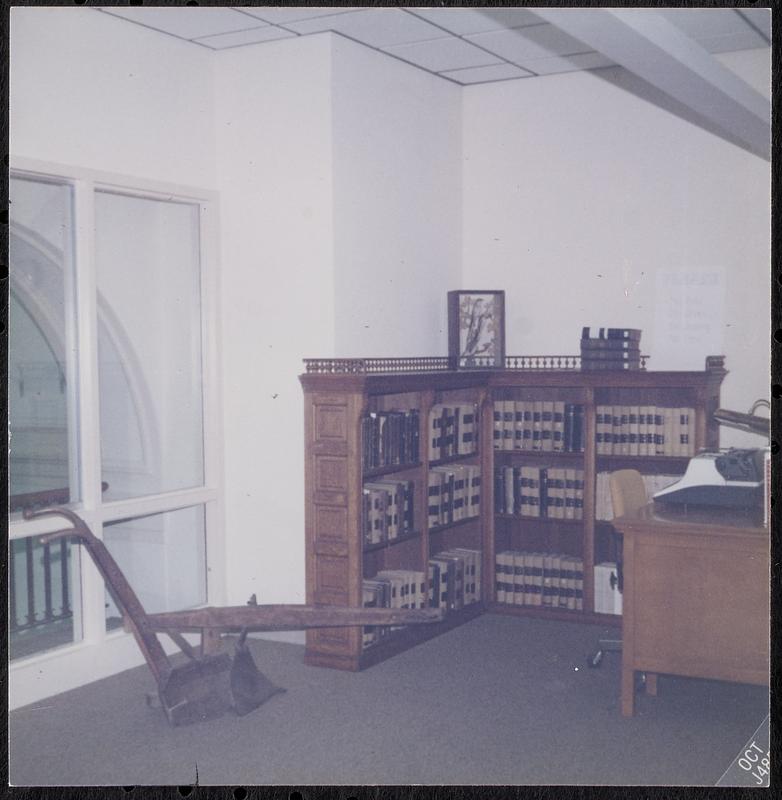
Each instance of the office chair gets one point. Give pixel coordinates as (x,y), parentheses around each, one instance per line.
(628,493)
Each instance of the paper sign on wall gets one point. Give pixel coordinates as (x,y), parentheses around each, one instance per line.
(688,317)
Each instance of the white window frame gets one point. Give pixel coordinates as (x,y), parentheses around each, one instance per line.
(100,653)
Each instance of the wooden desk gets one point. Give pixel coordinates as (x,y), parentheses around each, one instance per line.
(696,596)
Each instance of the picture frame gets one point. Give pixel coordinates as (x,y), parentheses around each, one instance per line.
(476,329)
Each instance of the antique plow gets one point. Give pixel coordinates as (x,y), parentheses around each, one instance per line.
(210,683)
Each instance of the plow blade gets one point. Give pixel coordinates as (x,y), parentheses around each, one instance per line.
(207,688)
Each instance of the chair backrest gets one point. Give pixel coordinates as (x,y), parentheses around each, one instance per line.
(628,492)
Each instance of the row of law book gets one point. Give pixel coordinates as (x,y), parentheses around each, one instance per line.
(547,580)
(545,425)
(604,507)
(452,581)
(453,493)
(644,430)
(453,430)
(392,588)
(390,438)
(387,510)
(550,492)
(610,348)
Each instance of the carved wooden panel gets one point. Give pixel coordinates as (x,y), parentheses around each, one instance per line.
(331,522)
(330,422)
(331,639)
(331,579)
(331,473)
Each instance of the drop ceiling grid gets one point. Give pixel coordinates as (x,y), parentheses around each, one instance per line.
(461,45)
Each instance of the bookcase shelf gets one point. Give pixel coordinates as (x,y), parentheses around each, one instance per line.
(403,537)
(394,469)
(336,402)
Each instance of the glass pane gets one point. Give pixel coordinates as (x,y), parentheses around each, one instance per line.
(41,353)
(149,345)
(41,579)
(163,556)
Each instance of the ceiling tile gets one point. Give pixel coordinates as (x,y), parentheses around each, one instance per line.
(468,20)
(378,27)
(700,23)
(535,41)
(189,23)
(265,33)
(277,15)
(556,64)
(760,18)
(443,54)
(742,40)
(497,72)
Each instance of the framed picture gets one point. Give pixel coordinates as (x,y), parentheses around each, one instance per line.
(476,329)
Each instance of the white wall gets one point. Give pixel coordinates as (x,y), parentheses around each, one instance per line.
(273,116)
(91,90)
(340,189)
(397,200)
(578,197)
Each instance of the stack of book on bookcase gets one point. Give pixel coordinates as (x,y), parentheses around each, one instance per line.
(545,425)
(454,578)
(389,438)
(610,348)
(644,430)
(548,492)
(604,508)
(454,582)
(387,510)
(453,430)
(547,580)
(392,588)
(454,493)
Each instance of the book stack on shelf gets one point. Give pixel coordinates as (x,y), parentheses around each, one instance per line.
(644,430)
(389,438)
(546,580)
(454,578)
(539,425)
(610,349)
(387,510)
(453,431)
(543,492)
(392,588)
(604,507)
(454,494)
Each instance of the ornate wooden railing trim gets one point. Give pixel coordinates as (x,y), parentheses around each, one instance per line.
(365,366)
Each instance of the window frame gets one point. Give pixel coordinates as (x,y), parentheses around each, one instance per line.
(98,653)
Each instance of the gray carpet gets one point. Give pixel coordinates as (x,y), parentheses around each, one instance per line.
(500,700)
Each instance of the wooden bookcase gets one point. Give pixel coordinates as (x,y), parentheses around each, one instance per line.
(338,393)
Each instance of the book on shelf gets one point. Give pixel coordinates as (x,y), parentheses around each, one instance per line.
(611,349)
(388,510)
(470,571)
(453,430)
(540,425)
(625,334)
(389,438)
(453,493)
(549,492)
(539,579)
(644,430)
(451,568)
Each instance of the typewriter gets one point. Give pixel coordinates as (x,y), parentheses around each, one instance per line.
(731,478)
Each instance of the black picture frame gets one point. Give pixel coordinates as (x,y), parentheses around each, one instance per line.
(476,329)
